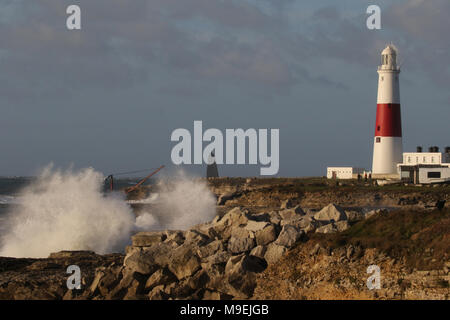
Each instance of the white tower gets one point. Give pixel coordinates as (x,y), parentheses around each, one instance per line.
(387,149)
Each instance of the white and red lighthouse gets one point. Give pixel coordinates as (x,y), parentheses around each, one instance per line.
(387,148)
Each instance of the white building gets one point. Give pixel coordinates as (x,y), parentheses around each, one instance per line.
(425,167)
(344,172)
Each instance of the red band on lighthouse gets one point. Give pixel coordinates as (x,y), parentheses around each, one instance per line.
(388,122)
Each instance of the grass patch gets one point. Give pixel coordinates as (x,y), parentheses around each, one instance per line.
(422,237)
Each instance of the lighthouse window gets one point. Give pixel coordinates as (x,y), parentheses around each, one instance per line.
(378,128)
(382,78)
(434,174)
(378,140)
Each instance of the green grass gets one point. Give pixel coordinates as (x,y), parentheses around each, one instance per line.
(422,237)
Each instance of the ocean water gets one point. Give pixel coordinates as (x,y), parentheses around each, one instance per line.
(10,190)
(70,210)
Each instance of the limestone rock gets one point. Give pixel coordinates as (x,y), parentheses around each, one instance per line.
(233,218)
(240,274)
(275,218)
(158,293)
(266,235)
(274,252)
(184,261)
(148,259)
(255,226)
(291,213)
(210,249)
(258,251)
(195,236)
(148,238)
(160,277)
(140,262)
(289,236)
(328,228)
(331,212)
(239,245)
(218,258)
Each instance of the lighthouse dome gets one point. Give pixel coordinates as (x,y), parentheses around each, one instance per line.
(389,58)
(389,50)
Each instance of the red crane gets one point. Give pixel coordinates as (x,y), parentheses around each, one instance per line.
(110,180)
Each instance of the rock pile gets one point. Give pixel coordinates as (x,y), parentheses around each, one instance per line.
(215,260)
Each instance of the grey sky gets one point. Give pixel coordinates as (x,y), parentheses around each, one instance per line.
(110,95)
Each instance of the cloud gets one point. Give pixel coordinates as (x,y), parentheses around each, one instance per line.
(424,26)
(120,42)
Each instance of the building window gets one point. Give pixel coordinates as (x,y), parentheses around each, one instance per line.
(434,174)
(409,159)
(378,140)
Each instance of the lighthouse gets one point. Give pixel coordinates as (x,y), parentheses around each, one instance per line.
(387,147)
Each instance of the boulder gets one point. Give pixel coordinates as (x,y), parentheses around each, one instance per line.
(131,284)
(275,218)
(266,235)
(135,289)
(148,238)
(218,258)
(274,252)
(255,226)
(328,228)
(184,260)
(258,251)
(241,232)
(195,236)
(175,236)
(147,259)
(72,254)
(240,275)
(331,212)
(240,245)
(289,236)
(140,262)
(210,249)
(160,277)
(291,213)
(233,218)
(158,293)
(303,223)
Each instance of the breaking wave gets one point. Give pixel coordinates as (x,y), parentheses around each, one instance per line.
(67,210)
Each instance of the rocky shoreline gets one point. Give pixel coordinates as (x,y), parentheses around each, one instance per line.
(243,253)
